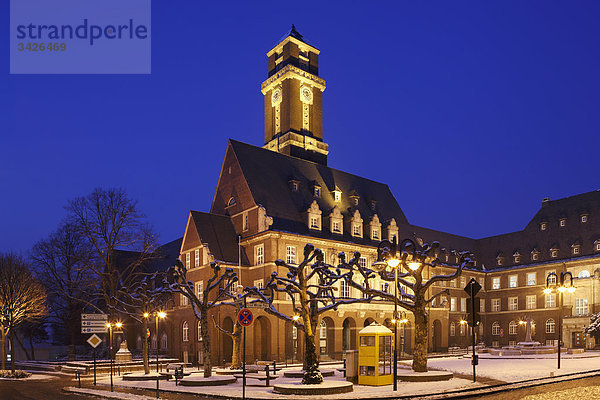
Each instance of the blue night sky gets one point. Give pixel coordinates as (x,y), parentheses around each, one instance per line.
(472,112)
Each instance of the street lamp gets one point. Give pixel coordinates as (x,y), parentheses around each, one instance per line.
(159,315)
(110,326)
(561,284)
(388,255)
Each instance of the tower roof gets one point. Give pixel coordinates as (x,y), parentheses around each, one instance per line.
(294,35)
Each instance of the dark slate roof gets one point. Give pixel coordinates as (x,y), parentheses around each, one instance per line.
(532,237)
(268,175)
(218,232)
(166,255)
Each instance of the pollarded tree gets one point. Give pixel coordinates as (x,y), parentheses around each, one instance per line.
(213,295)
(311,287)
(22,298)
(412,260)
(593,328)
(145,299)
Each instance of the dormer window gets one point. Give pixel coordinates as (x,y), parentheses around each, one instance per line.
(517,257)
(576,249)
(337,196)
(294,186)
(336,220)
(336,227)
(314,216)
(553,253)
(375,234)
(355,201)
(372,205)
(231,202)
(597,245)
(543,226)
(356,224)
(584,218)
(317,191)
(535,255)
(500,260)
(562,222)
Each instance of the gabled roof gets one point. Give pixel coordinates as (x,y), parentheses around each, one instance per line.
(219,234)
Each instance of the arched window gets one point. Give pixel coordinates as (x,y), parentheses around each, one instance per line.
(138,343)
(496,328)
(550,326)
(323,337)
(153,342)
(163,342)
(231,202)
(452,329)
(185,332)
(199,332)
(513,328)
(584,274)
(463,329)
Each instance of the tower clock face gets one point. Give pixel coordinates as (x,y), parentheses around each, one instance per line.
(306,95)
(276,96)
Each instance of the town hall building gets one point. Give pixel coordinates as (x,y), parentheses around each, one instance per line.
(271,201)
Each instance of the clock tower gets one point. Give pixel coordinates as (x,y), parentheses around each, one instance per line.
(294,100)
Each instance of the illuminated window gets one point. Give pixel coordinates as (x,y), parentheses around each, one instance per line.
(463,305)
(513,328)
(344,289)
(196,258)
(362,261)
(259,254)
(336,227)
(463,281)
(550,300)
(375,234)
(452,303)
(531,302)
(185,332)
(581,306)
(496,328)
(314,223)
(584,274)
(550,326)
(513,303)
(259,283)
(452,329)
(199,329)
(543,226)
(291,255)
(553,253)
(584,219)
(200,290)
(356,230)
(531,279)
(576,249)
(495,305)
(187,259)
(512,281)
(183,300)
(562,222)
(496,283)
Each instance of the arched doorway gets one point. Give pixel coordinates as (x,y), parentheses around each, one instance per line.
(262,338)
(436,340)
(368,322)
(349,334)
(226,339)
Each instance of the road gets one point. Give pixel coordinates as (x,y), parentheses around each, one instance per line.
(51,388)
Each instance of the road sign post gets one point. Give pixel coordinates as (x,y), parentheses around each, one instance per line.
(94,341)
(245,318)
(472,288)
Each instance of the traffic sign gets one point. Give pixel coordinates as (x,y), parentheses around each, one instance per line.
(103,317)
(245,317)
(473,287)
(94,329)
(94,340)
(94,322)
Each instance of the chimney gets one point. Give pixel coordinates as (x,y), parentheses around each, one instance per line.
(545,201)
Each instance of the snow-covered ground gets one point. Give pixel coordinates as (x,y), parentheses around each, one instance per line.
(512,369)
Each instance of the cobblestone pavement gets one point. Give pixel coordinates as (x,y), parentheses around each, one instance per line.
(580,389)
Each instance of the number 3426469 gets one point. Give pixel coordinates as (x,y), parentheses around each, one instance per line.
(41,46)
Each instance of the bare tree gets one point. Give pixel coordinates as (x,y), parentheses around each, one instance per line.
(22,298)
(149,296)
(310,286)
(61,263)
(213,295)
(121,239)
(415,259)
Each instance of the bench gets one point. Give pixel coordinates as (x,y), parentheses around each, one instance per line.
(260,377)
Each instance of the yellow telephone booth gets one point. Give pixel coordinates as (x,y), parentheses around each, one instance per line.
(375,355)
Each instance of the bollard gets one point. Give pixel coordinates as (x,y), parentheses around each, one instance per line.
(344,367)
(78,375)
(267,372)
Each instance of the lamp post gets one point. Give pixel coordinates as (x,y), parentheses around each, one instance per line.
(462,323)
(387,255)
(159,315)
(110,326)
(560,284)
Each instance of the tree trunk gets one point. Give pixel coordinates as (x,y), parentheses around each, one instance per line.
(145,345)
(312,375)
(20,342)
(11,334)
(420,349)
(3,349)
(32,348)
(236,361)
(205,344)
